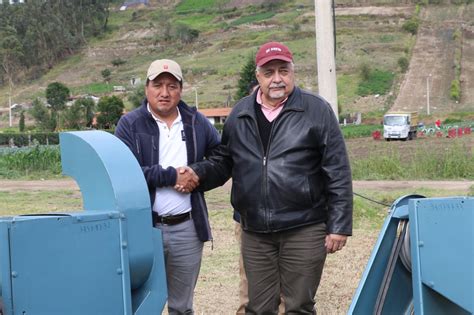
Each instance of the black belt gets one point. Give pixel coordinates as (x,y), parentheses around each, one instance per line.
(171,219)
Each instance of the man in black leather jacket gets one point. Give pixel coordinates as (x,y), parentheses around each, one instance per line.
(291,184)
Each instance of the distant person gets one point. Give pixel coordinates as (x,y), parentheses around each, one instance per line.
(438,124)
(164,133)
(291,185)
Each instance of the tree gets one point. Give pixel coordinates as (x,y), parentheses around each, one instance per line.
(88,106)
(21,125)
(110,110)
(42,116)
(247,76)
(137,96)
(57,95)
(106,73)
(80,114)
(403,64)
(11,53)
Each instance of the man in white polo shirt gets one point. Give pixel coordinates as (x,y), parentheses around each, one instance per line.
(165,134)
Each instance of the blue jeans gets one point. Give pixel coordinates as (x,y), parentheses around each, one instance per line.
(289,263)
(183,253)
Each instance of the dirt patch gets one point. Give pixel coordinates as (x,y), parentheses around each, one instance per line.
(427,83)
(384,11)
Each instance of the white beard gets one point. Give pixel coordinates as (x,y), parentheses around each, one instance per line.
(276,94)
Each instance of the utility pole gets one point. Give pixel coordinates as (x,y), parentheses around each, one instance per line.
(428,94)
(325,51)
(10,109)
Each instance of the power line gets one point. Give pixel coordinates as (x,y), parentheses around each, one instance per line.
(372,200)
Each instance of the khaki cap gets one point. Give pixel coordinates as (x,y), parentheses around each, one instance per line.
(160,66)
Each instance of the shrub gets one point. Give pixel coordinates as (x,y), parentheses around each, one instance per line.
(365,70)
(403,64)
(118,62)
(411,25)
(25,139)
(455,91)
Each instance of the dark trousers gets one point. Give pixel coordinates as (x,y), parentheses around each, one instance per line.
(288,262)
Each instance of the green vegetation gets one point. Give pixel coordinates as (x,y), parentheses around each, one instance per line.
(196,5)
(110,109)
(247,77)
(455,91)
(358,131)
(54,30)
(411,26)
(253,18)
(403,64)
(454,162)
(31,162)
(375,82)
(93,88)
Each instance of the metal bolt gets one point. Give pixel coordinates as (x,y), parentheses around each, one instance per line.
(122,216)
(431,284)
(119,271)
(79,219)
(421,244)
(124,245)
(14,274)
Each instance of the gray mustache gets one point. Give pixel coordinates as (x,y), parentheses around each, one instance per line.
(281,85)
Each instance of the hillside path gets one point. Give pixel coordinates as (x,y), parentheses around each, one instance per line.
(428,80)
(387,185)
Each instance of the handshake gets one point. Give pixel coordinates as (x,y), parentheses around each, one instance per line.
(186,179)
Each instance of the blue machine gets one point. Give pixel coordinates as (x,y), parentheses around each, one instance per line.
(422,262)
(106,260)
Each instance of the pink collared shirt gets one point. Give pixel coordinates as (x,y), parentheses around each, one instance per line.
(270,112)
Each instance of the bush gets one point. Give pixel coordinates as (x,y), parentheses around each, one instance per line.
(25,139)
(411,26)
(118,62)
(365,70)
(455,91)
(403,64)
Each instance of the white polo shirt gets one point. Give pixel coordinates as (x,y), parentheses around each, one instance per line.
(172,153)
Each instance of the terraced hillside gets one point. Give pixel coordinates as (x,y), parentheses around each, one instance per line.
(228,36)
(432,64)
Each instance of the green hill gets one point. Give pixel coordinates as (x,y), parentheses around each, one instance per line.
(369,38)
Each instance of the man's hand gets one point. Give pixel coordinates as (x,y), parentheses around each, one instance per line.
(186,180)
(335,242)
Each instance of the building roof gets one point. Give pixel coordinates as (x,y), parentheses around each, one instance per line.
(216,112)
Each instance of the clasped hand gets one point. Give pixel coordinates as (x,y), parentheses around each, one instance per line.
(186,179)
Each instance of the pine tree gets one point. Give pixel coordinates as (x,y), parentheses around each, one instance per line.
(247,77)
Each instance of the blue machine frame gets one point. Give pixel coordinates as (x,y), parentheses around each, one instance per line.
(426,271)
(107,259)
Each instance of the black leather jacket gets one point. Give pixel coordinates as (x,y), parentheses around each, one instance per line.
(305,177)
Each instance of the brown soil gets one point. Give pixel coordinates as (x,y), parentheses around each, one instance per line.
(432,64)
(387,185)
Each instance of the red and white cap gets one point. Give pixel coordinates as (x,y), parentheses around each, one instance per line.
(271,51)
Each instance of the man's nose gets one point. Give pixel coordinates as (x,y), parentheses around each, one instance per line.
(164,92)
(276,77)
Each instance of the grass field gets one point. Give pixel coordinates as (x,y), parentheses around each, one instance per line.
(217,288)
